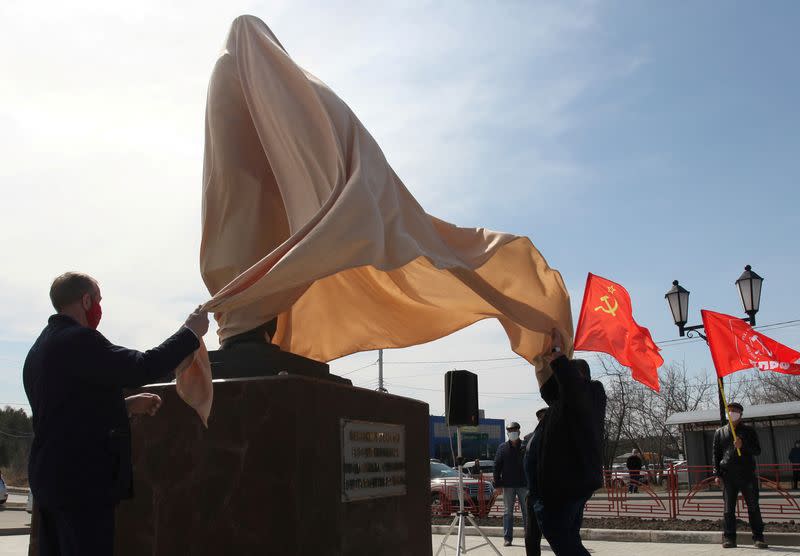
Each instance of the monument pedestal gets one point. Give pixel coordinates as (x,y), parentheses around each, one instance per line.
(289,465)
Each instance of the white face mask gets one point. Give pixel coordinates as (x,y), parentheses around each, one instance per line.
(735,416)
(513,435)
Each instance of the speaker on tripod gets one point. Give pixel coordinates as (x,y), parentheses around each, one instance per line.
(461,410)
(461,399)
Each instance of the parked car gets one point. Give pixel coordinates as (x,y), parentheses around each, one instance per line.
(3,491)
(487,468)
(619,476)
(680,468)
(444,492)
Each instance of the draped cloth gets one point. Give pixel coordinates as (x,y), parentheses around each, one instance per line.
(304,220)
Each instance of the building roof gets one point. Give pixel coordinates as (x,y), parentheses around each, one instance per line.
(751,412)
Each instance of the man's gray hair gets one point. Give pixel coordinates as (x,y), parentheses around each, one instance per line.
(69,288)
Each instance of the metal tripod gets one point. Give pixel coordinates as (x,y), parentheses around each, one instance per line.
(461,548)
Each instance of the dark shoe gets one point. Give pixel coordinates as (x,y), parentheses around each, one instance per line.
(760,544)
(729,543)
(507,543)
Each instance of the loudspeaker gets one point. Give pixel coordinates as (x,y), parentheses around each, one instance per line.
(461,398)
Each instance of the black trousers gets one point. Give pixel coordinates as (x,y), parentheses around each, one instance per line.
(533,534)
(82,531)
(795,476)
(748,486)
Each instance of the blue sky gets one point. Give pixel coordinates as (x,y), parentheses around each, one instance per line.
(644,142)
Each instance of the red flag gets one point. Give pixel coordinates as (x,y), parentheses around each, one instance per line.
(736,346)
(606,324)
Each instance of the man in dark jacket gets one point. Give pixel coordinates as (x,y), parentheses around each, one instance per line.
(634,464)
(565,466)
(509,475)
(737,473)
(80,464)
(533,534)
(794,459)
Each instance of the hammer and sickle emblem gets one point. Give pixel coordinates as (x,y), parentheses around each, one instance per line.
(608,308)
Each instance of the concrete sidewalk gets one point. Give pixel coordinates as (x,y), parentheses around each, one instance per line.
(606,548)
(17,545)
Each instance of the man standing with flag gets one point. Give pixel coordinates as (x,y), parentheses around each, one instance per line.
(735,346)
(735,470)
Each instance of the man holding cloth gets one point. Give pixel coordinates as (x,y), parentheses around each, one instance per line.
(735,470)
(509,475)
(565,463)
(80,461)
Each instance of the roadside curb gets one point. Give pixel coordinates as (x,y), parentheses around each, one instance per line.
(15,531)
(17,490)
(743,538)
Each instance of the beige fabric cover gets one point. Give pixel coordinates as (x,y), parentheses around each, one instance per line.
(304,219)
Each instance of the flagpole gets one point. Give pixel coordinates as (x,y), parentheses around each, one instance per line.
(728,413)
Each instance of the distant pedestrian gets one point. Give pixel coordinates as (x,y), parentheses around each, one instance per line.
(533,533)
(509,475)
(634,463)
(737,473)
(565,465)
(794,458)
(476,468)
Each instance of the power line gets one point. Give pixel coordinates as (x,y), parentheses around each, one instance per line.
(771,326)
(359,369)
(449,361)
(499,395)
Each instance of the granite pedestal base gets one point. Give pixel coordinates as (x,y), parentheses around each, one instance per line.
(266,477)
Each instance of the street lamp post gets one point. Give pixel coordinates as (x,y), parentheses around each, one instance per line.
(749,286)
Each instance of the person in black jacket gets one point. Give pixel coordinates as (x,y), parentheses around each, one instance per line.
(509,475)
(634,464)
(80,464)
(794,459)
(533,534)
(565,463)
(737,473)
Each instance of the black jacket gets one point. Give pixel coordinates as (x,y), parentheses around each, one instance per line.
(726,461)
(508,469)
(74,379)
(569,458)
(634,463)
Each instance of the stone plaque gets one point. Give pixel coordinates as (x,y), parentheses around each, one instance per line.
(373,460)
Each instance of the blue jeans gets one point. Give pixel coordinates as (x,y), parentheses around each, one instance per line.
(561,525)
(509,494)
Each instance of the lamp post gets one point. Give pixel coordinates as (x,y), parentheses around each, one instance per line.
(749,286)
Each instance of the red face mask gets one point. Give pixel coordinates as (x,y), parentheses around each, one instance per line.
(93,315)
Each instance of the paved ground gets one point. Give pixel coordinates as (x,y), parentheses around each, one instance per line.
(17,498)
(600,548)
(17,545)
(13,519)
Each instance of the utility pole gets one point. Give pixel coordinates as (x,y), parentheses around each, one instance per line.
(380,372)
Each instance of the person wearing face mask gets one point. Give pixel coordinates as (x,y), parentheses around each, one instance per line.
(509,475)
(80,465)
(735,471)
(565,465)
(794,459)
